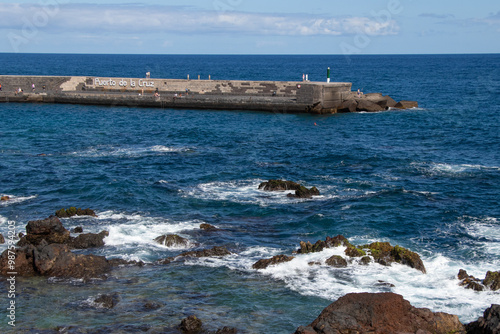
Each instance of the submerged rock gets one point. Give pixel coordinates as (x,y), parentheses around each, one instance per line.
(107,301)
(172,240)
(208,227)
(191,325)
(380,313)
(264,263)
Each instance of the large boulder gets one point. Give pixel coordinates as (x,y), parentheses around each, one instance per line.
(380,313)
(367,105)
(50,229)
(23,264)
(489,323)
(264,263)
(336,261)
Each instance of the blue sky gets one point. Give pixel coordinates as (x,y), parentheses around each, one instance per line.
(250,26)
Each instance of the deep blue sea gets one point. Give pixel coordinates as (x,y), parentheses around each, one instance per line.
(427,179)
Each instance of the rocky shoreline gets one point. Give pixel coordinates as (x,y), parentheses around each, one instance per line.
(47,250)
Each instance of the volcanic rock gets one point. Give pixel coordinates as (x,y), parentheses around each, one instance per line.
(492,280)
(380,313)
(172,240)
(489,323)
(107,301)
(281,185)
(4,198)
(386,254)
(469,282)
(264,263)
(78,229)
(2,239)
(208,227)
(50,229)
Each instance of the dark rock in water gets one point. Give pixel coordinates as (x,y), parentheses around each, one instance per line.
(2,239)
(152,306)
(469,282)
(489,323)
(264,263)
(352,251)
(172,240)
(380,313)
(4,198)
(492,280)
(215,251)
(58,261)
(89,240)
(365,260)
(107,301)
(50,229)
(337,261)
(72,211)
(124,263)
(406,105)
(208,227)
(78,229)
(227,330)
(191,325)
(384,284)
(281,185)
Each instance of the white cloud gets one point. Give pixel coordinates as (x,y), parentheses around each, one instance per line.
(93,18)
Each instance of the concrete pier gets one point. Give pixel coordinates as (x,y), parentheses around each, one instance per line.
(274,96)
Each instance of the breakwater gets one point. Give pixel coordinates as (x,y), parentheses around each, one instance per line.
(274,96)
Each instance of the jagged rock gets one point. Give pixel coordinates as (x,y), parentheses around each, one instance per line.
(489,323)
(469,282)
(307,247)
(208,227)
(50,229)
(492,280)
(2,239)
(23,264)
(406,105)
(4,198)
(72,211)
(337,261)
(215,251)
(89,240)
(172,240)
(227,330)
(281,185)
(57,260)
(107,301)
(380,313)
(191,325)
(352,251)
(264,263)
(365,260)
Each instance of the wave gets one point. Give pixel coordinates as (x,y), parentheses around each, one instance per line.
(129,151)
(243,191)
(308,275)
(15,199)
(451,169)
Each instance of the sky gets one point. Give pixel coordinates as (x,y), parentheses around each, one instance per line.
(250,27)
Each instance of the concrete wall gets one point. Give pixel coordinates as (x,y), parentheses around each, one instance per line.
(219,94)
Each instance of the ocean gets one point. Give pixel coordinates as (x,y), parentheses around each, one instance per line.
(427,179)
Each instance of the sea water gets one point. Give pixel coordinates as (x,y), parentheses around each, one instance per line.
(427,179)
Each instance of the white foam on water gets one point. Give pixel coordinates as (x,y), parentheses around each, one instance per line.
(438,290)
(128,151)
(445,168)
(136,229)
(15,199)
(243,191)
(486,231)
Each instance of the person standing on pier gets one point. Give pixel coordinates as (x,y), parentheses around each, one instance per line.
(33,87)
